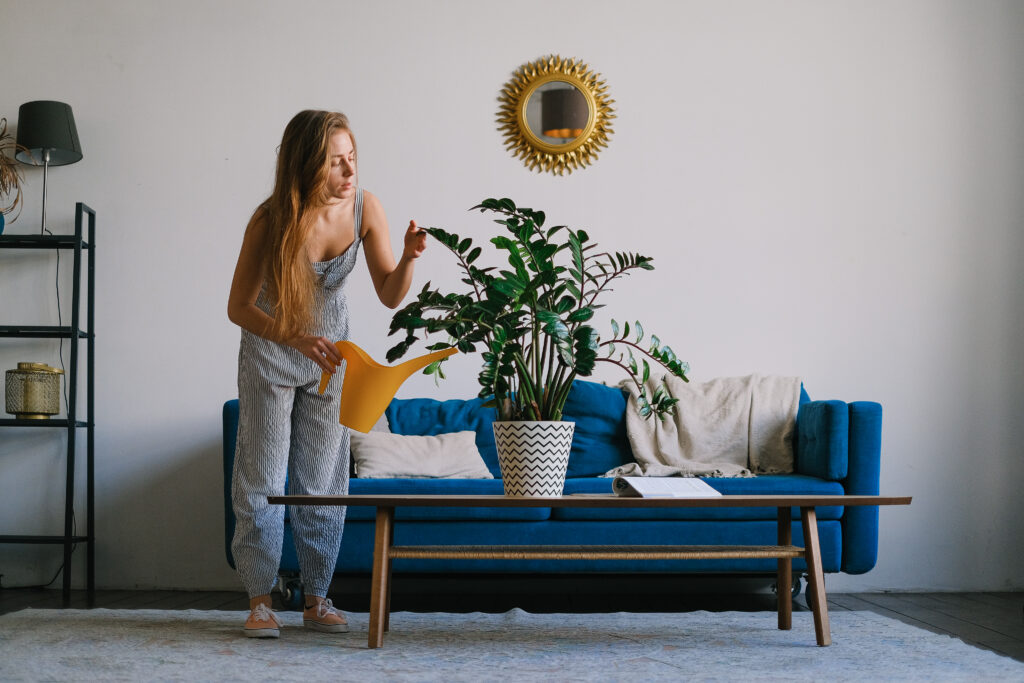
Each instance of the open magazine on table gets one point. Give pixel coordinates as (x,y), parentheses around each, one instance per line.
(663,487)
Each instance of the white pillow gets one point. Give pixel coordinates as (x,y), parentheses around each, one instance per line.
(382,455)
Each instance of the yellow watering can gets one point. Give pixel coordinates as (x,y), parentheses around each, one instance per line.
(369,386)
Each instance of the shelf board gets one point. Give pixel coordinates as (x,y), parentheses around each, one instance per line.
(40,242)
(52,422)
(58,540)
(41,332)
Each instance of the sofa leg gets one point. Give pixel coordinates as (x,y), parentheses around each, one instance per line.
(292,590)
(795,589)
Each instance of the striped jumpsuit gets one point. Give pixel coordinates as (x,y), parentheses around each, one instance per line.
(286,428)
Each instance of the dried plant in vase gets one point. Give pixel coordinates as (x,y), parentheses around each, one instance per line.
(10,175)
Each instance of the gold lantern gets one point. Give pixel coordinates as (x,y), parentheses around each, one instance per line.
(33,391)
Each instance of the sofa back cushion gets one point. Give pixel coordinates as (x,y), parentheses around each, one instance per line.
(599,439)
(427,416)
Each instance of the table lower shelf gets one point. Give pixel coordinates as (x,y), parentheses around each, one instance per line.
(593,552)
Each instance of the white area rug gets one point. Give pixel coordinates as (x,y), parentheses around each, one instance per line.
(194,645)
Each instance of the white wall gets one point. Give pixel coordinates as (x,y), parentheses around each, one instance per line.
(830,189)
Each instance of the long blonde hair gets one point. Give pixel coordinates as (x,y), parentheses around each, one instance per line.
(300,188)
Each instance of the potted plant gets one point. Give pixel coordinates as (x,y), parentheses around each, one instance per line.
(531,322)
(10,175)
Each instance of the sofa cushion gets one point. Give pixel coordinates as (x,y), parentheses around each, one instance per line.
(381,455)
(429,416)
(463,487)
(599,440)
(822,434)
(764,485)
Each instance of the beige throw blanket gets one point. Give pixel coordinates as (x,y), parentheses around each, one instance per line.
(727,427)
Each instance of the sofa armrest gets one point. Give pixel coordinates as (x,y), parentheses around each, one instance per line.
(860,524)
(822,432)
(842,442)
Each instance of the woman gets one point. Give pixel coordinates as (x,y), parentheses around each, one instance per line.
(288,297)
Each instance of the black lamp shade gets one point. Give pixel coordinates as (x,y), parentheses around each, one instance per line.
(43,126)
(564,113)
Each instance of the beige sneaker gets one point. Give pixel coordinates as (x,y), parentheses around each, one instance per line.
(262,623)
(323,617)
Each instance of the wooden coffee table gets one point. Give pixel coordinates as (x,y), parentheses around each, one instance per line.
(385,552)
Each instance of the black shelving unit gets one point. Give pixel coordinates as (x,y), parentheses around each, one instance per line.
(81,244)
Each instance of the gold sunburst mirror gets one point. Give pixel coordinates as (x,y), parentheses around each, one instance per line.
(555,115)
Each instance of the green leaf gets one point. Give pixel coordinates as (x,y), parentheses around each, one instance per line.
(552,231)
(615,329)
(397,351)
(580,315)
(553,324)
(503,242)
(507,287)
(565,354)
(487,204)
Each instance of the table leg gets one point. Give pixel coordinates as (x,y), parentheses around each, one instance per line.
(784,575)
(815,577)
(387,597)
(380,590)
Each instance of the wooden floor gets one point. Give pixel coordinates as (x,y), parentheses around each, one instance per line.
(993,621)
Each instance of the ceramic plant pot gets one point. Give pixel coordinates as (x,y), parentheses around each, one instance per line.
(533,457)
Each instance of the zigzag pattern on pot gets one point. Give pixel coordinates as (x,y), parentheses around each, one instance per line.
(527,467)
(513,435)
(534,427)
(534,457)
(554,489)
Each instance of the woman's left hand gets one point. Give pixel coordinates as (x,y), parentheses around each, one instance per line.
(415,241)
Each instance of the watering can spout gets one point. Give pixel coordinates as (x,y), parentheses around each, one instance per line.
(369,386)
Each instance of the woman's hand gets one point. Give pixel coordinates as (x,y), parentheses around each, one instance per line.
(415,242)
(319,349)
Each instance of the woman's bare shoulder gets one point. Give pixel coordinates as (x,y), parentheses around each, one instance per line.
(371,202)
(373,213)
(259,223)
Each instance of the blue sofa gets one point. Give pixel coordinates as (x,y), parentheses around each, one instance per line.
(837,451)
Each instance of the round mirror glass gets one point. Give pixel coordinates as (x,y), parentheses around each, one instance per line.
(557,113)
